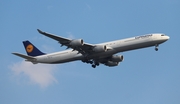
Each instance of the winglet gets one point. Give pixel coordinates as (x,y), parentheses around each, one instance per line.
(41,32)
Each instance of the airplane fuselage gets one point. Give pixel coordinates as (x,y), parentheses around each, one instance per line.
(113,47)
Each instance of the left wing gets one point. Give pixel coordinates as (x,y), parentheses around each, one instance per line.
(77,44)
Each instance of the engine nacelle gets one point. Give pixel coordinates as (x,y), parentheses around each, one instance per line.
(111,63)
(100,48)
(77,43)
(117,58)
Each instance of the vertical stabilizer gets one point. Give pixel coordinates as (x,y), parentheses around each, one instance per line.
(31,49)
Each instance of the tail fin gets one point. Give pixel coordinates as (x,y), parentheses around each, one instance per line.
(31,49)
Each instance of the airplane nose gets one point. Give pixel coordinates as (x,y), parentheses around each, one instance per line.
(168,37)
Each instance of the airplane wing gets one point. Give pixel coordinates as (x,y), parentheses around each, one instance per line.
(78,44)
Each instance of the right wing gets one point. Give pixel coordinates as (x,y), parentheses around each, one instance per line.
(78,44)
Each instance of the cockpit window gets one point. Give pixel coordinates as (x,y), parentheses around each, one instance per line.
(162,35)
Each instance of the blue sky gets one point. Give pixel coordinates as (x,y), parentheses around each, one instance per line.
(145,76)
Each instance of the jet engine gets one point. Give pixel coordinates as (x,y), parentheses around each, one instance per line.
(117,58)
(100,48)
(77,43)
(111,63)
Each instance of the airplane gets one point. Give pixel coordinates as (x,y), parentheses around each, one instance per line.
(94,54)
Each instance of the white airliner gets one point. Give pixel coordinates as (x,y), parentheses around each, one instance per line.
(94,54)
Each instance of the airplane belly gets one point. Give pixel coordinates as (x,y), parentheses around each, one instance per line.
(59,58)
(102,54)
(71,56)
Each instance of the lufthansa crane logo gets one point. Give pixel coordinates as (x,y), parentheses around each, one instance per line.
(29,48)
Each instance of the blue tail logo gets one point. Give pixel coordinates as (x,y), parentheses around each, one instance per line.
(31,49)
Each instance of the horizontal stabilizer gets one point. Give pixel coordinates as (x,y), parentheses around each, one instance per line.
(24,56)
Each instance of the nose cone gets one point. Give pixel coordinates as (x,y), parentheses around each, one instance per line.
(167,37)
(164,37)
